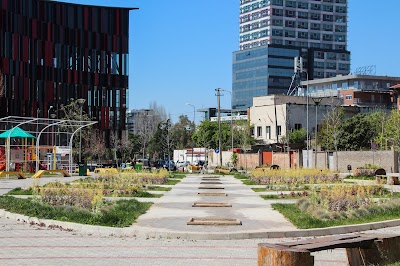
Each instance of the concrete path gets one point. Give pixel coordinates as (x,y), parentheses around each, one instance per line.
(174,209)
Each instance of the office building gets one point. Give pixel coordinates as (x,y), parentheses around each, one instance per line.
(274,32)
(52,52)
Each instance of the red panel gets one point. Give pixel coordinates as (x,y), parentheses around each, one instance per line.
(5,66)
(76,76)
(117,21)
(85,18)
(49,90)
(4,4)
(96,79)
(15,44)
(49,31)
(25,49)
(26,88)
(16,87)
(34,28)
(267,157)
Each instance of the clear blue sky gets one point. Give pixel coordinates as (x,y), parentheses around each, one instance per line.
(181,50)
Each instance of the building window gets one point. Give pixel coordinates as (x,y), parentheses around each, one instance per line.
(349,97)
(252,131)
(279,130)
(268,132)
(259,131)
(297,126)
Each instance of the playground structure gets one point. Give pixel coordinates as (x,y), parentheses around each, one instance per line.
(21,151)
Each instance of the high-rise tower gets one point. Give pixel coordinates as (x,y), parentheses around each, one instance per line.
(273,32)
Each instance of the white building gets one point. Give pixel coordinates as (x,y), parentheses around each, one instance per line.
(272,117)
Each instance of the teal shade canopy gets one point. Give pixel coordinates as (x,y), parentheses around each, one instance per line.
(16,133)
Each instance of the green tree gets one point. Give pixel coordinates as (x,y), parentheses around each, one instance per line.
(297,136)
(391,132)
(360,130)
(182,132)
(206,135)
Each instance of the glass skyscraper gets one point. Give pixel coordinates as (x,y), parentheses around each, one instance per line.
(273,32)
(52,52)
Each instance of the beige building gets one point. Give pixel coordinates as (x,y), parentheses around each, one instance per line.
(273,116)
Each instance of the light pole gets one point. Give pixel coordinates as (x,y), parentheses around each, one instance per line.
(194,124)
(80,102)
(231,119)
(317,102)
(218,90)
(37,121)
(48,116)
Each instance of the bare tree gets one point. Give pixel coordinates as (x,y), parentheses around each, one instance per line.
(125,147)
(97,146)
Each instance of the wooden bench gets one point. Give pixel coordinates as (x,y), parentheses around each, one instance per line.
(19,174)
(361,249)
(39,173)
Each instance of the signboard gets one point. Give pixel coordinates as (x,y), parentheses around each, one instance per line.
(216,150)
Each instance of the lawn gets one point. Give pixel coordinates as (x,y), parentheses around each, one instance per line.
(121,213)
(303,220)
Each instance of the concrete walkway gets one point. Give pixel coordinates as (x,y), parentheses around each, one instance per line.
(174,209)
(169,215)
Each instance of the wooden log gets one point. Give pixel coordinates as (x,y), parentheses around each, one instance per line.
(383,251)
(275,255)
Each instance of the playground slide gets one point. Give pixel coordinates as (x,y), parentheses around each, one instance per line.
(2,159)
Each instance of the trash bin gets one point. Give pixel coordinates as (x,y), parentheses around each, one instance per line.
(82,168)
(138,166)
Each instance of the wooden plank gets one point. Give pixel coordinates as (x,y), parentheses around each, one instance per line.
(318,240)
(347,243)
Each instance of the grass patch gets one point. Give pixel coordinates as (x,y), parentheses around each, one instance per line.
(157,188)
(258,189)
(121,213)
(285,197)
(142,194)
(241,176)
(249,182)
(360,177)
(172,182)
(20,191)
(304,220)
(178,175)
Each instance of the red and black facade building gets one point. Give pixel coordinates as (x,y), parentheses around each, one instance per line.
(52,52)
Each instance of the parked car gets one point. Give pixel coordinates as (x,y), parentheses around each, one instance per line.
(182,164)
(171,166)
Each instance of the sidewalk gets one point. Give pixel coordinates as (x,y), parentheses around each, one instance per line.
(168,216)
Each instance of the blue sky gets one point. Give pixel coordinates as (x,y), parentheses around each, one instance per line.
(181,50)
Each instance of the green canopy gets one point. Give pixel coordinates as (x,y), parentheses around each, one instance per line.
(16,133)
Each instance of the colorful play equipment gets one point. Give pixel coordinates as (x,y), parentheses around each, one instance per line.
(22,150)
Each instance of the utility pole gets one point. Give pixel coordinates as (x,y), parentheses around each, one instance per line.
(218,90)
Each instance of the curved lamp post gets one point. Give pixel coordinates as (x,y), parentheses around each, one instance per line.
(80,102)
(317,102)
(194,123)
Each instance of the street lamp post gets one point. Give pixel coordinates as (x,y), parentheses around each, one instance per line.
(80,102)
(231,120)
(218,90)
(317,102)
(48,116)
(194,124)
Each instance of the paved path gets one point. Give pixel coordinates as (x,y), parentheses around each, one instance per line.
(174,209)
(25,244)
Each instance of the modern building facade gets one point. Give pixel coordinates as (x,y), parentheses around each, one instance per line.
(273,32)
(360,90)
(52,52)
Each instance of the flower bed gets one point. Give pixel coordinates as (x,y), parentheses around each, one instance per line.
(293,176)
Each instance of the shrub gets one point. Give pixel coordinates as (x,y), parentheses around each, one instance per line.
(293,176)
